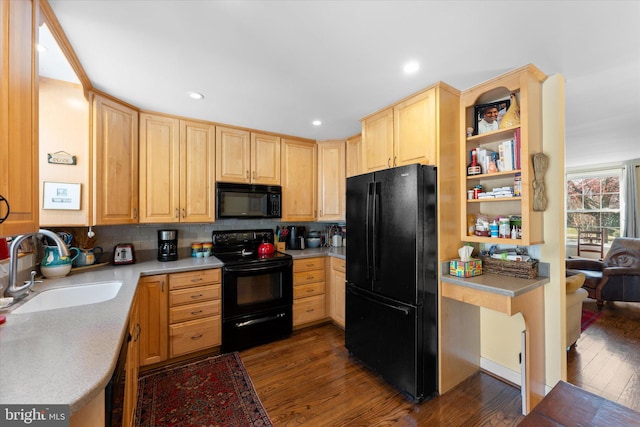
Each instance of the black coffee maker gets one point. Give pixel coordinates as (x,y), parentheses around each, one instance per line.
(296,237)
(167,245)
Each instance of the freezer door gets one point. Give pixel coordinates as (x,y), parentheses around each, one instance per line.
(385,336)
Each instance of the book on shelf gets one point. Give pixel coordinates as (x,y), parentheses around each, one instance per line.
(516,139)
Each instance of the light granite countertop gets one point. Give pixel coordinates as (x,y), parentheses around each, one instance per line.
(67,356)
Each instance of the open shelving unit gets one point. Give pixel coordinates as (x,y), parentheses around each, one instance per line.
(526,84)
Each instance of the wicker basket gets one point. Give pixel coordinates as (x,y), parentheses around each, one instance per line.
(521,269)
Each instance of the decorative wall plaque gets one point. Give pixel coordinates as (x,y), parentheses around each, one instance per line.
(61,158)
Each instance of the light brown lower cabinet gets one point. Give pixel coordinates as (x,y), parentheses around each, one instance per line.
(132,367)
(337,287)
(195,321)
(152,293)
(308,290)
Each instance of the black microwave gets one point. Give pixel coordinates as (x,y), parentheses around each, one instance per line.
(248,201)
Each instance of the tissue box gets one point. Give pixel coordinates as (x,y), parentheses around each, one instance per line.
(470,268)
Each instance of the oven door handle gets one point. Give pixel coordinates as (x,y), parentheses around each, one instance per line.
(260,320)
(252,269)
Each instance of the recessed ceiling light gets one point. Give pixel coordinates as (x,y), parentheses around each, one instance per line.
(411,67)
(195,95)
(316,122)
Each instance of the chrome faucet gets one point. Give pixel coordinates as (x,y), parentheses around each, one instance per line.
(15,291)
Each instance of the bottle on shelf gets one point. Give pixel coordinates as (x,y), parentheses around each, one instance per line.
(474,168)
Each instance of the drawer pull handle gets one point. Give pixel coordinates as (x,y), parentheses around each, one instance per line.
(309,277)
(196,312)
(197,279)
(309,265)
(196,337)
(309,291)
(310,310)
(197,296)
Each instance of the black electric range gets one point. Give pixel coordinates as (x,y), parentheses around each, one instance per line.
(257,290)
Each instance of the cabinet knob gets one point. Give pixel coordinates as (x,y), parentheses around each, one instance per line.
(394,161)
(135,213)
(253,174)
(184,215)
(247,173)
(177,216)
(389,162)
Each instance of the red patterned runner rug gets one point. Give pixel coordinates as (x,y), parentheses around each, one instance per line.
(588,318)
(212,392)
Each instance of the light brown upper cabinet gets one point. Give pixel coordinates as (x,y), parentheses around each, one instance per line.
(176,170)
(247,157)
(331,180)
(299,177)
(354,155)
(114,146)
(377,141)
(19,119)
(410,130)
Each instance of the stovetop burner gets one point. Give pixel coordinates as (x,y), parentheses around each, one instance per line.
(241,246)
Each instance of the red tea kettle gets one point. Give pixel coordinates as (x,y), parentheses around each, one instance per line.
(266,248)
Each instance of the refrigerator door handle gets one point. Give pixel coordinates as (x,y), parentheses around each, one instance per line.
(375,253)
(404,310)
(369,230)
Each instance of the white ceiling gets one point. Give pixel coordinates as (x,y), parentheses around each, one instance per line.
(278,65)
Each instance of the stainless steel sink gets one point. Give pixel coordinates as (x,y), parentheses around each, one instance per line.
(71,296)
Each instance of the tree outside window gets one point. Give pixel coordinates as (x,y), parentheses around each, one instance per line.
(593,203)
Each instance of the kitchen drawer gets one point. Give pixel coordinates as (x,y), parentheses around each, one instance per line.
(310,289)
(308,277)
(307,264)
(194,311)
(308,309)
(196,294)
(194,278)
(195,335)
(339,264)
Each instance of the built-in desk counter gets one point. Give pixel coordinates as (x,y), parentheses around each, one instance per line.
(460,334)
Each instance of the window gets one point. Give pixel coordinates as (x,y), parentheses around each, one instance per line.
(593,202)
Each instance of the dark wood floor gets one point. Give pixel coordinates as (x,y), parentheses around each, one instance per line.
(606,359)
(309,379)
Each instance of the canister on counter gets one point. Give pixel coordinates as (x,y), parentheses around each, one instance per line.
(196,249)
(207,247)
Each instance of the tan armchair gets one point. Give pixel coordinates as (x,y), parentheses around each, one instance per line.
(617,277)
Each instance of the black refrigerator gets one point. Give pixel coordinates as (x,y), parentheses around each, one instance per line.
(391,290)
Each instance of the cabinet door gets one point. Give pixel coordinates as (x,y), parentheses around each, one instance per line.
(132,367)
(414,130)
(331,181)
(233,155)
(299,180)
(265,159)
(19,118)
(197,177)
(152,294)
(159,169)
(354,156)
(115,152)
(338,297)
(377,141)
